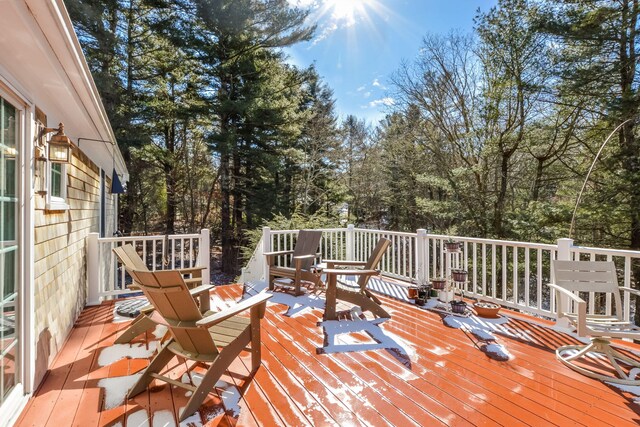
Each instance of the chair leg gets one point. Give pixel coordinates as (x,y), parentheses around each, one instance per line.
(602,346)
(209,381)
(363,301)
(256,351)
(158,362)
(140,324)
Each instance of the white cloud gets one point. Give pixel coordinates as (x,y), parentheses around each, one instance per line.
(326,32)
(361,88)
(376,83)
(334,15)
(366,94)
(386,101)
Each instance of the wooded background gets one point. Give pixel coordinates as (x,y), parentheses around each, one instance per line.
(491,134)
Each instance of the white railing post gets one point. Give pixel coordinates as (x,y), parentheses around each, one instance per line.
(266,247)
(349,241)
(204,253)
(564,254)
(93,270)
(421,251)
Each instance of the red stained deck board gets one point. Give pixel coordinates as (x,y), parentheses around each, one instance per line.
(383,368)
(40,407)
(564,383)
(553,405)
(450,381)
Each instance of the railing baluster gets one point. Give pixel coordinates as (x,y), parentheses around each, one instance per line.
(527,277)
(504,272)
(410,260)
(514,288)
(608,297)
(493,271)
(627,282)
(443,267)
(484,269)
(394,249)
(592,295)
(122,270)
(552,298)
(173,253)
(539,279)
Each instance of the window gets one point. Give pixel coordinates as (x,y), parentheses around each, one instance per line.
(56,180)
(57,195)
(9,246)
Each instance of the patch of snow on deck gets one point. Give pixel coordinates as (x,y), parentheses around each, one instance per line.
(339,340)
(116,389)
(497,351)
(297,305)
(138,419)
(163,418)
(228,392)
(160,331)
(116,352)
(632,389)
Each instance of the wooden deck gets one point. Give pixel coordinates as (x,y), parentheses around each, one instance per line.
(442,379)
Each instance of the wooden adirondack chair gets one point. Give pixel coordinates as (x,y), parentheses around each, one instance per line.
(130,259)
(358,295)
(303,256)
(215,340)
(597,277)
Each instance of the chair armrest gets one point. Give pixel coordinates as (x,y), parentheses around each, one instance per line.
(567,293)
(232,311)
(189,270)
(343,262)
(201,289)
(341,272)
(298,260)
(277,253)
(581,309)
(636,292)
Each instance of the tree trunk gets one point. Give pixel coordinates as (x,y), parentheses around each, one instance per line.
(170,180)
(498,213)
(226,229)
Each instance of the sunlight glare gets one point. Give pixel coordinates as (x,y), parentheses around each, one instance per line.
(348,10)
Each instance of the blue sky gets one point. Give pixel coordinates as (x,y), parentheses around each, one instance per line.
(360,43)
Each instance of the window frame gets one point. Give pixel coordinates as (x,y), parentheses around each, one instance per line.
(55,203)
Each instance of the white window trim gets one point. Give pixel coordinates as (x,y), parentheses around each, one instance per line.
(57,203)
(17,399)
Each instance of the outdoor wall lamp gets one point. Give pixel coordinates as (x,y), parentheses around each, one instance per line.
(59,146)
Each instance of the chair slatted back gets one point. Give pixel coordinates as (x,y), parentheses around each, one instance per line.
(171,298)
(129,257)
(374,259)
(589,276)
(307,243)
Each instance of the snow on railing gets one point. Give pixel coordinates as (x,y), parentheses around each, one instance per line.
(107,278)
(511,273)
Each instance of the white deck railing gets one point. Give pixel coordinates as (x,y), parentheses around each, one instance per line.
(107,279)
(510,273)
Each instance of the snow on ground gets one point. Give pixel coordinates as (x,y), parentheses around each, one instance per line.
(297,305)
(116,352)
(116,389)
(338,337)
(496,351)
